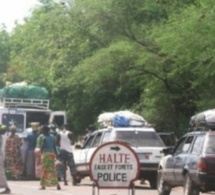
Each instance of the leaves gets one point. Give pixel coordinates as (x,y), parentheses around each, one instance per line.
(154,57)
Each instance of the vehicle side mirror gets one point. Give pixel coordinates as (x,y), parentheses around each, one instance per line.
(168,150)
(78,146)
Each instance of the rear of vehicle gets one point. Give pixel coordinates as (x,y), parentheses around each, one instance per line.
(206,164)
(148,145)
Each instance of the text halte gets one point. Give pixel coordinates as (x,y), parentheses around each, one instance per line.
(114,158)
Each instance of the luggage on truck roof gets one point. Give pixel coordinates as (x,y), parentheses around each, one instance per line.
(205,119)
(23,90)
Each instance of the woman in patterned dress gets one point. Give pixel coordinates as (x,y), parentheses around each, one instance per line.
(48,157)
(3,179)
(13,157)
(37,152)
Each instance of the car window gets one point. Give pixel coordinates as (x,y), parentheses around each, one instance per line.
(183,145)
(97,139)
(197,146)
(187,144)
(210,145)
(89,141)
(179,147)
(139,138)
(106,137)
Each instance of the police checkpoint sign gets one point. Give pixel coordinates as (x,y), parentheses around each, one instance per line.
(114,165)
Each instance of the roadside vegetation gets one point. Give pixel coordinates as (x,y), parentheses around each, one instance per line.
(152,57)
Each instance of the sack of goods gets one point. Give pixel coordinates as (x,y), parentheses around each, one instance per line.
(203,119)
(23,90)
(121,119)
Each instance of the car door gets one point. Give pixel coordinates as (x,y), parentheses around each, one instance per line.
(80,154)
(58,117)
(194,156)
(169,161)
(179,158)
(95,143)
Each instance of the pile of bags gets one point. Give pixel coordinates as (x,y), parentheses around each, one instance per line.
(23,90)
(121,119)
(203,119)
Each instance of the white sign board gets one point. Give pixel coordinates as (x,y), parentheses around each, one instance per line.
(114,165)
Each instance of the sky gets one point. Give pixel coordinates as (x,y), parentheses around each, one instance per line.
(15,10)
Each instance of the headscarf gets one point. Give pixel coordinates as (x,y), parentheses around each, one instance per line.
(3,129)
(35,126)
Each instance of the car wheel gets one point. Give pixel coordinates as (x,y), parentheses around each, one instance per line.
(153,183)
(162,187)
(189,187)
(76,179)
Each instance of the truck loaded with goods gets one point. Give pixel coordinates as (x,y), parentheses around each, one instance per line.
(22,104)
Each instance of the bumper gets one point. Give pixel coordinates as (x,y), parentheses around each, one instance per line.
(148,170)
(206,182)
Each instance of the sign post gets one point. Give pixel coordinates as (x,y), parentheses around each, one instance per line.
(114,165)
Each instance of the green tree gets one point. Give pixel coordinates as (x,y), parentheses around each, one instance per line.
(4,54)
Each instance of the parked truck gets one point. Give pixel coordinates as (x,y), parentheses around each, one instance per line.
(22,112)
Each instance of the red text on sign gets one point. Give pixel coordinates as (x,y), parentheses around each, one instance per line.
(114,158)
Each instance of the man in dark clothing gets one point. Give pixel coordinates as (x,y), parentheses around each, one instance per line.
(31,145)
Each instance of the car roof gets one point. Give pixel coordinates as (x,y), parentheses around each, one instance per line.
(195,133)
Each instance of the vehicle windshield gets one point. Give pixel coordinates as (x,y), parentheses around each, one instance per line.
(210,145)
(139,138)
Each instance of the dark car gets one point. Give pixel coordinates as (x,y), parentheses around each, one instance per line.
(191,164)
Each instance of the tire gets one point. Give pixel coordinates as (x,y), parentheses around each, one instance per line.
(189,187)
(76,179)
(153,183)
(162,187)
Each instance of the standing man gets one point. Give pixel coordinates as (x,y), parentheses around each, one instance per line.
(64,141)
(30,155)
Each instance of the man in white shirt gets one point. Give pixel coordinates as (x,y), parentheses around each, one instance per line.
(64,141)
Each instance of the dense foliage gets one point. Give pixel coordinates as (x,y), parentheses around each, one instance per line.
(153,57)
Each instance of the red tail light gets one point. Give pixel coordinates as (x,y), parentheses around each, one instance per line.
(202,166)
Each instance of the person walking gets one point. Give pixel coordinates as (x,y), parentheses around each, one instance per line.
(13,157)
(58,163)
(48,158)
(31,139)
(64,141)
(3,179)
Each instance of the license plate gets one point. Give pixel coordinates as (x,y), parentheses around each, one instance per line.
(143,156)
